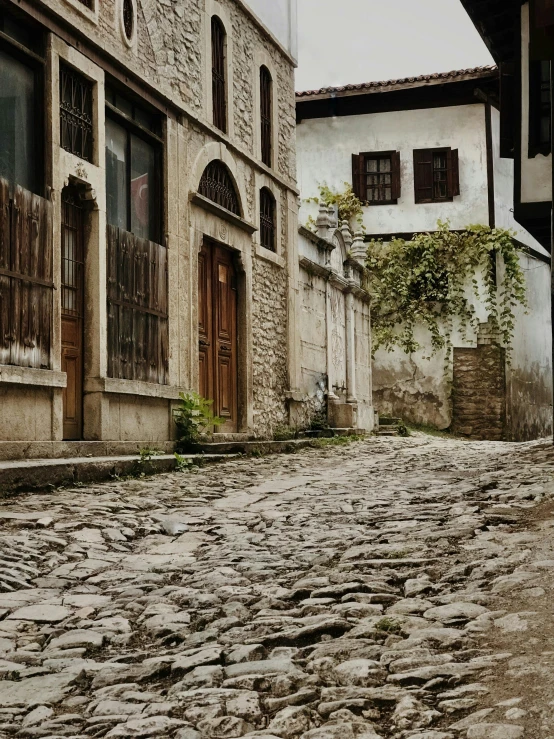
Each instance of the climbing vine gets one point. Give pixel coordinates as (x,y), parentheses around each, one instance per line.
(435,280)
(350,207)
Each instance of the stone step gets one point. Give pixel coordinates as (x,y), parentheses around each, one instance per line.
(27,475)
(13,450)
(261,446)
(387,430)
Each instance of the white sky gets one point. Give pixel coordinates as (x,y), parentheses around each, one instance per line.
(350,41)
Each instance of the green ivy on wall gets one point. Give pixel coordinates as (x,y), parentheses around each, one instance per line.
(436,279)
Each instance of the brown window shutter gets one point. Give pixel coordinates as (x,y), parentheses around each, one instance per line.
(507,109)
(453,172)
(423,175)
(357,176)
(396,181)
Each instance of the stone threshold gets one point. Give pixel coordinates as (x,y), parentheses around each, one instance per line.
(31,475)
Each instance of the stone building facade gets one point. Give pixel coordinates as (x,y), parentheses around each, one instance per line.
(162,143)
(334,329)
(415,151)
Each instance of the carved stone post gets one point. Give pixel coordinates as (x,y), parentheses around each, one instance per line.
(350,348)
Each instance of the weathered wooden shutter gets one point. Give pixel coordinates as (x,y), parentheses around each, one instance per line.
(396,179)
(453,174)
(137,308)
(507,109)
(423,175)
(25,279)
(358,176)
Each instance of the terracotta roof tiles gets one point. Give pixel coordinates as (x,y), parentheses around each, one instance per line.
(472,71)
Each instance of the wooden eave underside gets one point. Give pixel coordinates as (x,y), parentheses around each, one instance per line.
(497,23)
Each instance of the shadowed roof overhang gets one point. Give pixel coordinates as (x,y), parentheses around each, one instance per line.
(497,23)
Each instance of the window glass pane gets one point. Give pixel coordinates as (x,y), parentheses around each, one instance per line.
(371,165)
(143,189)
(116,175)
(18,155)
(385,165)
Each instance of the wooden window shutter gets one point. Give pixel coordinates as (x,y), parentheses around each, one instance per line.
(423,175)
(396,180)
(453,182)
(507,109)
(358,176)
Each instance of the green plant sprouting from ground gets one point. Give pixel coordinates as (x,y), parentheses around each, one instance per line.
(388,625)
(182,464)
(433,280)
(349,206)
(194,416)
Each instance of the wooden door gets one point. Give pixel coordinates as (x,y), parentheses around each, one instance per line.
(217,329)
(72,254)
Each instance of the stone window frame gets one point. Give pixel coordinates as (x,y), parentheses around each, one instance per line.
(91,14)
(212,7)
(276,257)
(130,43)
(263,59)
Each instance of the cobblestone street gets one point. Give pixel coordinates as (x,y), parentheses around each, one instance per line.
(387,588)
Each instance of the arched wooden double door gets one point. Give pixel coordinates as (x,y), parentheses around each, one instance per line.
(217,332)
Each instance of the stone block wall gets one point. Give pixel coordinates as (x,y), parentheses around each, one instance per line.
(479,393)
(269,342)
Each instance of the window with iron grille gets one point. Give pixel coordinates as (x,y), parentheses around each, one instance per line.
(266,85)
(376,177)
(217,185)
(219,92)
(539,108)
(436,175)
(75,113)
(267,219)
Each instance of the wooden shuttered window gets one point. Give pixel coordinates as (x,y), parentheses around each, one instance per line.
(266,85)
(436,175)
(507,109)
(137,308)
(376,177)
(26,282)
(539,108)
(219,85)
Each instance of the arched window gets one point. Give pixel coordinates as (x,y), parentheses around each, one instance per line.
(217,185)
(266,84)
(267,219)
(219,92)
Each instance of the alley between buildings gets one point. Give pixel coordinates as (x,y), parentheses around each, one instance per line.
(388,588)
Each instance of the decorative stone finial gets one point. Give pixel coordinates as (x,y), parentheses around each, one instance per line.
(358,250)
(323,221)
(346,234)
(333,221)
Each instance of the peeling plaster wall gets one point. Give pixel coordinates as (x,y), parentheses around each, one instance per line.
(536,172)
(325,147)
(529,378)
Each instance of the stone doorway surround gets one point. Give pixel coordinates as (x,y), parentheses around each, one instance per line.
(209,222)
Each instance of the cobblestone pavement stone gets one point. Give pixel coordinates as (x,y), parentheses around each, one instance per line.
(394,588)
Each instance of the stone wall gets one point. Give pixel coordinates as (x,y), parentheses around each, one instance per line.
(269,340)
(479,393)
